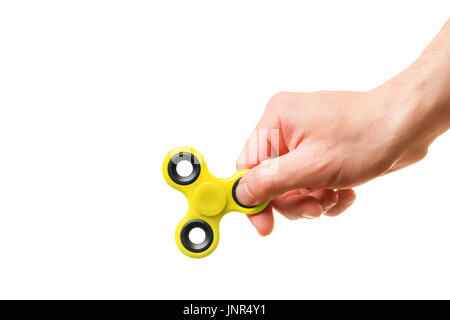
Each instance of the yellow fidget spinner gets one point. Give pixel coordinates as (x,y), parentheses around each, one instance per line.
(209,199)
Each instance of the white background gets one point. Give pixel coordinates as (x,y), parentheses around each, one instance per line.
(93,94)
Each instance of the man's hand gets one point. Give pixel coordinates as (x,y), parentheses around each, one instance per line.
(329,142)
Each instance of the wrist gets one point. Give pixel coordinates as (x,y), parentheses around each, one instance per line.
(409,114)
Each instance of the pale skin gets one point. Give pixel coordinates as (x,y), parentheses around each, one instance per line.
(332,141)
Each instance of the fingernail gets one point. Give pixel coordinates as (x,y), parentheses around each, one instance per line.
(327,205)
(243,195)
(309,216)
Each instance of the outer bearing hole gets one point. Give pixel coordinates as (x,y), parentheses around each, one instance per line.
(191,240)
(197,235)
(184,168)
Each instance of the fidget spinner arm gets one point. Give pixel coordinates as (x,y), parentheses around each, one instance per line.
(209,199)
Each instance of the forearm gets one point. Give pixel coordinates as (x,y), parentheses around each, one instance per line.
(418,99)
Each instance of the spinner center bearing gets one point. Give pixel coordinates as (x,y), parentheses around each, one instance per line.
(209,199)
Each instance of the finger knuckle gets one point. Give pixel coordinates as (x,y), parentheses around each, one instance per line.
(277,101)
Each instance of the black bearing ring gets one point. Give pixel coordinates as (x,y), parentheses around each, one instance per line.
(233,192)
(172,168)
(196,247)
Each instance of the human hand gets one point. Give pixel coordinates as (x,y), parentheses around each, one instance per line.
(329,142)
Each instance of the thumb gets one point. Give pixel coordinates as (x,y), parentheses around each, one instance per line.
(296,169)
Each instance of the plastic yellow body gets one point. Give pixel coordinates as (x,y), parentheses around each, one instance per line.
(209,199)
